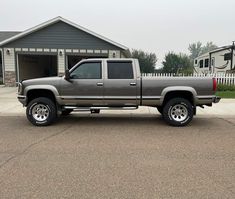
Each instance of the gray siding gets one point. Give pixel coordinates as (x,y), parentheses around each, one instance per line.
(61,35)
(7,34)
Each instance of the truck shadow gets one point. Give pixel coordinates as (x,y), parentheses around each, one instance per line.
(111,118)
(119,119)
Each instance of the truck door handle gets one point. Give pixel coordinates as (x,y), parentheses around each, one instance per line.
(132,84)
(99,84)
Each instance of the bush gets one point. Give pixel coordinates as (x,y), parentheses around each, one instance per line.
(223,87)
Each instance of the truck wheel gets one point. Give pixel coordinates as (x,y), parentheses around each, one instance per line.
(41,111)
(66,112)
(178,112)
(160,109)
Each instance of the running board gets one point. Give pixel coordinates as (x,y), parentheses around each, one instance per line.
(76,108)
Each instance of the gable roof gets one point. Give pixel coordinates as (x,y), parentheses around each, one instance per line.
(55,20)
(7,34)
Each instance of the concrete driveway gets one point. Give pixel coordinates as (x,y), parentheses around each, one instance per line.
(115,155)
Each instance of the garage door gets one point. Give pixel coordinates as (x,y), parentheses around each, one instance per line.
(35,66)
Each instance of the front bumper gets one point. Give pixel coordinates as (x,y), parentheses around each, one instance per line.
(216,99)
(22,99)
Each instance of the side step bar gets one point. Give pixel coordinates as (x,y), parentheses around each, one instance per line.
(77,108)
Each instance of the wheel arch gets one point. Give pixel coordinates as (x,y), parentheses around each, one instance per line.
(185,92)
(48,91)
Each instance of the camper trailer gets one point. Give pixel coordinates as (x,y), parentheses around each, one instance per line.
(220,60)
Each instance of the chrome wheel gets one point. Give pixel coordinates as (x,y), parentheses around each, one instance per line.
(179,113)
(40,112)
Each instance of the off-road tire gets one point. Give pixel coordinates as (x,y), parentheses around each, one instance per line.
(160,109)
(50,113)
(178,112)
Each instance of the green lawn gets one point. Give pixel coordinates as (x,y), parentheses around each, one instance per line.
(226,94)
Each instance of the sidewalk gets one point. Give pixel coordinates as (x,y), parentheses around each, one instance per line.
(9,106)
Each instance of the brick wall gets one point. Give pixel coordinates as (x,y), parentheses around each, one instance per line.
(10,78)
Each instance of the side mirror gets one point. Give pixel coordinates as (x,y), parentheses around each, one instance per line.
(67,75)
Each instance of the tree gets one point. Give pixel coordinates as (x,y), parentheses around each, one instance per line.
(197,48)
(147,61)
(177,63)
(208,47)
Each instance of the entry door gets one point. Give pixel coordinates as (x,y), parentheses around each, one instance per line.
(120,85)
(85,87)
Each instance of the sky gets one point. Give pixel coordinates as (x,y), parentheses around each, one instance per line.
(157,26)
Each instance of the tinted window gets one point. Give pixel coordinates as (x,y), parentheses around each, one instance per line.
(120,70)
(201,64)
(206,63)
(89,70)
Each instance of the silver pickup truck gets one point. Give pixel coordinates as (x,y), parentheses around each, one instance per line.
(97,84)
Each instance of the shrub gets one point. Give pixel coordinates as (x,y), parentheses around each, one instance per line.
(224,87)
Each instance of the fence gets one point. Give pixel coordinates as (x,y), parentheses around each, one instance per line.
(228,79)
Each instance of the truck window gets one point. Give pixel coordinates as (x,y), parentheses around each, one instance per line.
(88,70)
(206,63)
(120,70)
(201,64)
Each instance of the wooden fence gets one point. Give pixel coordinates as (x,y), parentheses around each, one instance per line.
(228,79)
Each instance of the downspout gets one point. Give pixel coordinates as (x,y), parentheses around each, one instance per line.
(211,69)
(3,66)
(232,49)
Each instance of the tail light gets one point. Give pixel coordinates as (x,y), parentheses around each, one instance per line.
(214,84)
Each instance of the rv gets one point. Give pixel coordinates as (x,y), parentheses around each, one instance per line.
(220,60)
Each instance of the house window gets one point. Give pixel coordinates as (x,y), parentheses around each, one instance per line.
(206,63)
(195,61)
(201,64)
(213,61)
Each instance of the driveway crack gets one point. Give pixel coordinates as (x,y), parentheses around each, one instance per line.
(233,124)
(32,145)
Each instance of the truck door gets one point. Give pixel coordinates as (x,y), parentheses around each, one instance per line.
(85,87)
(120,84)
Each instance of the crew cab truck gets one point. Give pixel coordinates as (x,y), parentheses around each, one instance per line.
(96,84)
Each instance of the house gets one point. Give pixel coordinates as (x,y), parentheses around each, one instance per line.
(220,60)
(50,48)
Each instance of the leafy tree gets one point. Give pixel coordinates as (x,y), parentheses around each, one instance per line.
(197,48)
(208,47)
(177,63)
(147,61)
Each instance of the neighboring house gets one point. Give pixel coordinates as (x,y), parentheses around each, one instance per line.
(220,60)
(50,48)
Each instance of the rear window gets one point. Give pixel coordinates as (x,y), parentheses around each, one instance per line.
(120,70)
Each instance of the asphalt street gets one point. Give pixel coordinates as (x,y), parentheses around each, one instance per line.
(117,156)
